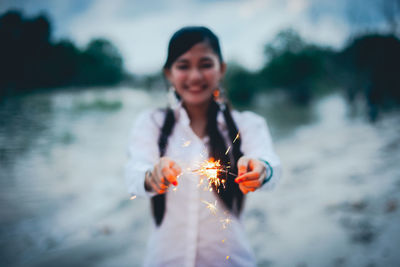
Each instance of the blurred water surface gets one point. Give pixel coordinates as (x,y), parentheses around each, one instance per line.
(63,199)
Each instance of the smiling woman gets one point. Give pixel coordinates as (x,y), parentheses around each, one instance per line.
(198,140)
(196,74)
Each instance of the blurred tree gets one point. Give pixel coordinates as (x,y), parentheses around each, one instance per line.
(35,52)
(63,64)
(300,69)
(287,40)
(11,31)
(100,63)
(241,84)
(374,61)
(29,59)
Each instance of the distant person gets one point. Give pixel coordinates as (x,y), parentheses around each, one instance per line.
(197,223)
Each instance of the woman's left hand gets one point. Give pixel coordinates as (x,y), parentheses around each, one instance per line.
(251,174)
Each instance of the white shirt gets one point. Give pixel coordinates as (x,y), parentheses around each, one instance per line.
(192,234)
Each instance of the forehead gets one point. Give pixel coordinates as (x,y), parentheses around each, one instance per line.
(197,52)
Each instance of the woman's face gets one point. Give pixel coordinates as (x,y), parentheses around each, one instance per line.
(196,74)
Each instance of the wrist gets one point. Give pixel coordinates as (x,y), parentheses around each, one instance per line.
(269,171)
(147,179)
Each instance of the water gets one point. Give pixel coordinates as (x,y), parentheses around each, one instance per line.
(63,198)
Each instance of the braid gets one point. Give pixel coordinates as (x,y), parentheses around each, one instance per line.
(217,143)
(233,132)
(158,201)
(166,130)
(231,194)
(236,152)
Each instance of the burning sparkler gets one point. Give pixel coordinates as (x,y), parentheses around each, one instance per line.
(211,169)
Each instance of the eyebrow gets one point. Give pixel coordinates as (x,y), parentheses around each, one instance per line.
(183,60)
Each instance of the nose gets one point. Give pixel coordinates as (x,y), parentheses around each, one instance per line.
(195,75)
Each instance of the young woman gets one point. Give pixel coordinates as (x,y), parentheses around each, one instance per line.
(196,224)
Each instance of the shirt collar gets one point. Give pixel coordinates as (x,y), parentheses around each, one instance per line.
(182,116)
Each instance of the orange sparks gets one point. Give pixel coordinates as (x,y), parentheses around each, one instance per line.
(211,169)
(186,143)
(225,222)
(227,151)
(211,206)
(133,197)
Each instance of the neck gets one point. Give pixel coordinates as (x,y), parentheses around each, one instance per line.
(198,118)
(198,112)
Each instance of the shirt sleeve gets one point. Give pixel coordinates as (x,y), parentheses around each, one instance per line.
(143,153)
(257,143)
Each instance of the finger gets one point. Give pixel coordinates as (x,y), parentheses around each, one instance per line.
(163,187)
(249,189)
(164,181)
(166,169)
(243,189)
(175,168)
(170,176)
(252,184)
(158,175)
(155,186)
(252,164)
(161,191)
(242,165)
(258,166)
(248,177)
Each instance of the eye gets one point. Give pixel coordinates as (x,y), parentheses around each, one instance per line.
(182,67)
(207,65)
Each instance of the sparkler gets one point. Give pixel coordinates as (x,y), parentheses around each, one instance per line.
(211,169)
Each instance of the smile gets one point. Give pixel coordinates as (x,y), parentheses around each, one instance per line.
(196,89)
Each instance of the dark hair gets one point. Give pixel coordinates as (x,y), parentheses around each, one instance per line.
(186,38)
(231,195)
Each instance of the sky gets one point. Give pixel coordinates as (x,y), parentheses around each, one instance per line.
(141,29)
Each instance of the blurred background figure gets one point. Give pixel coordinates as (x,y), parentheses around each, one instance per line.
(74,74)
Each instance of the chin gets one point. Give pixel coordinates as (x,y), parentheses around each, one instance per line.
(197,102)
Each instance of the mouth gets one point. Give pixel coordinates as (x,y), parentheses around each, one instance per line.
(196,88)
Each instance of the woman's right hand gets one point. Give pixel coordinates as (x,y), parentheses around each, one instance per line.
(164,173)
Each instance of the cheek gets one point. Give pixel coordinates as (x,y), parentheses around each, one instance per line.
(178,78)
(213,76)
